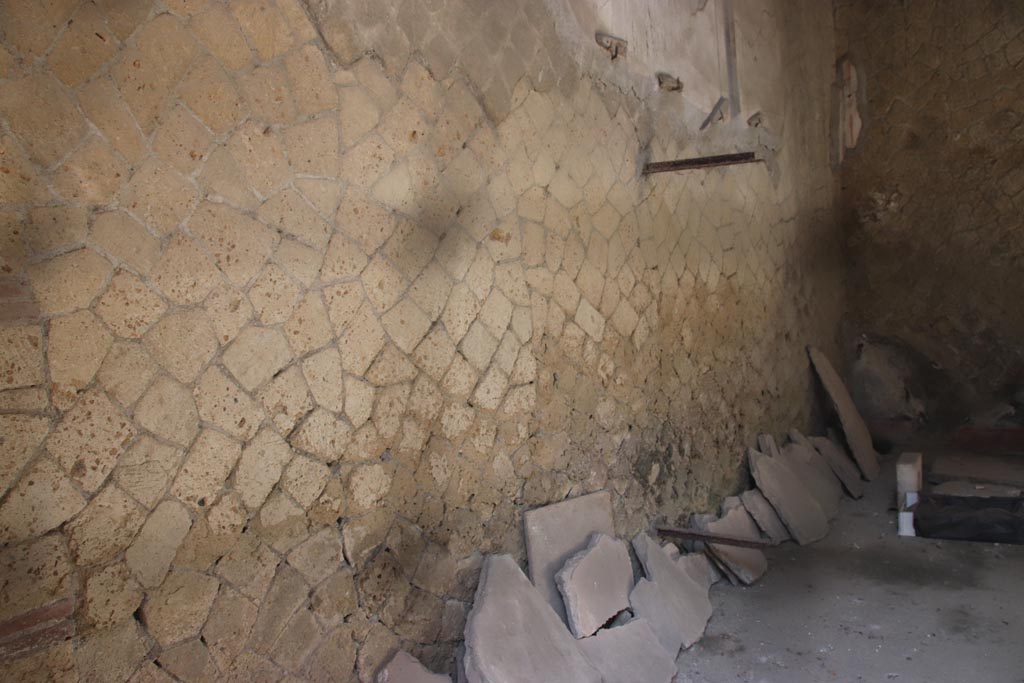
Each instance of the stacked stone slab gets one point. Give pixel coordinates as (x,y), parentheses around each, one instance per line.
(404,668)
(797,508)
(747,565)
(595,584)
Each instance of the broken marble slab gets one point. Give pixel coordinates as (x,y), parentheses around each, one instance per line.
(815,475)
(797,508)
(854,429)
(747,564)
(630,653)
(555,533)
(844,468)
(595,584)
(512,633)
(675,604)
(404,668)
(765,516)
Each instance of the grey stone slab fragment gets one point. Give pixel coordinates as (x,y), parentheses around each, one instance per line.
(748,564)
(765,516)
(797,508)
(731,503)
(700,568)
(683,600)
(555,533)
(513,634)
(854,429)
(595,584)
(844,468)
(629,654)
(815,475)
(404,668)
(766,444)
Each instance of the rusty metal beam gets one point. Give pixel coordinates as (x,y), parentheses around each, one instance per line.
(694,535)
(699,162)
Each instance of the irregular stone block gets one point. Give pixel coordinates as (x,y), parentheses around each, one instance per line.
(815,475)
(857,435)
(675,604)
(595,584)
(404,668)
(556,532)
(629,653)
(748,564)
(844,468)
(765,516)
(798,510)
(152,551)
(512,634)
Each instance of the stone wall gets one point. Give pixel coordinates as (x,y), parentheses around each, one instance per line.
(290,337)
(933,196)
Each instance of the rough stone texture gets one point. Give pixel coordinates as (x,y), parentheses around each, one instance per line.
(796,506)
(748,564)
(555,533)
(765,516)
(429,278)
(404,668)
(629,653)
(815,474)
(595,583)
(857,435)
(844,468)
(512,633)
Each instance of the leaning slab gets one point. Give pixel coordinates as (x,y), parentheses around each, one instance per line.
(404,668)
(512,634)
(684,602)
(555,533)
(857,435)
(629,654)
(782,487)
(765,517)
(595,584)
(766,444)
(815,474)
(699,568)
(747,564)
(842,466)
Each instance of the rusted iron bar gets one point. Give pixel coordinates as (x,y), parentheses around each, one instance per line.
(694,535)
(699,162)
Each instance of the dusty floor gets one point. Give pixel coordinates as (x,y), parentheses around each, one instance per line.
(866,605)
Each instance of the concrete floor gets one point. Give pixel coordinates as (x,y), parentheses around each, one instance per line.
(866,605)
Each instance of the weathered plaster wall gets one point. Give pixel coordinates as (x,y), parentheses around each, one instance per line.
(291,336)
(933,194)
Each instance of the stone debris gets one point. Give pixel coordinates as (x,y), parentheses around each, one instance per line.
(798,510)
(629,654)
(700,568)
(857,435)
(676,605)
(765,516)
(747,564)
(844,468)
(512,633)
(815,475)
(595,584)
(555,533)
(404,668)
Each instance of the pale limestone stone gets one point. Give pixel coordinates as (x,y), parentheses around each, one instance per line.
(111,596)
(206,468)
(209,92)
(113,654)
(287,593)
(268,93)
(43,499)
(389,409)
(184,273)
(335,598)
(406,325)
(491,389)
(22,436)
(220,32)
(460,378)
(69,281)
(78,343)
(89,439)
(21,356)
(365,222)
(384,284)
(126,372)
(304,479)
(366,163)
(178,608)
(182,343)
(223,404)
(286,399)
(249,566)
(460,312)
(147,469)
(27,399)
(260,154)
(227,628)
(228,311)
(358,113)
(282,523)
(289,211)
(301,636)
(159,197)
(34,574)
(189,661)
(265,27)
(222,178)
(478,346)
(391,367)
(430,290)
(181,140)
(322,435)
(363,535)
(358,401)
(168,410)
(50,229)
(319,556)
(92,174)
(150,554)
(434,354)
(105,528)
(496,313)
(323,193)
(361,340)
(311,147)
(256,355)
(343,259)
(239,245)
(23,184)
(302,262)
(588,318)
(263,461)
(308,328)
(274,295)
(368,485)
(128,306)
(47,138)
(324,376)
